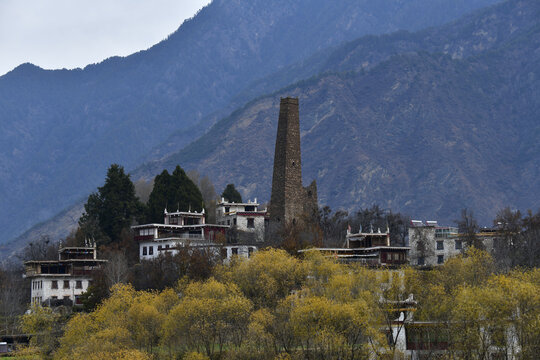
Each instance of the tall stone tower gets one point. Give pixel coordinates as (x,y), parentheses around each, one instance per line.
(290,202)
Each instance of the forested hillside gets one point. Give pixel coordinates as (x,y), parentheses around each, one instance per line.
(60,130)
(449,122)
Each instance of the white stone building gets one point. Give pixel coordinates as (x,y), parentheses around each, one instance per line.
(367,248)
(186,230)
(432,244)
(62,281)
(243,216)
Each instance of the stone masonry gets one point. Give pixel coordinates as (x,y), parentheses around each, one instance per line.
(290,202)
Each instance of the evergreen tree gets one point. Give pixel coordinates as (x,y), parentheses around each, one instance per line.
(231,194)
(173,191)
(111,209)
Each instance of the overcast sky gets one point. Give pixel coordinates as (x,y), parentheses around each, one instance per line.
(55,34)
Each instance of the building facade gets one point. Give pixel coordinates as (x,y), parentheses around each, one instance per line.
(245,217)
(63,281)
(368,248)
(189,231)
(432,244)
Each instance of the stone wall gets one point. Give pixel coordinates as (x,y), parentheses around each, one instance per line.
(290,201)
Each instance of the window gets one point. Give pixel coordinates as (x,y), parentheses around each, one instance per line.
(144,251)
(440,259)
(78,284)
(173,221)
(250,251)
(459,246)
(234,251)
(146,232)
(440,245)
(227,209)
(66,284)
(54,284)
(234,221)
(150,250)
(251,223)
(228,222)
(421,260)
(159,247)
(167,246)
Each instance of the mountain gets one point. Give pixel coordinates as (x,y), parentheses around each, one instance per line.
(425,123)
(61,129)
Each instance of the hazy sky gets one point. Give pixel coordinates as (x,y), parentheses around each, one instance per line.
(73,33)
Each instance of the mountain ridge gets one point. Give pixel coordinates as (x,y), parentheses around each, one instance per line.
(57,123)
(485,77)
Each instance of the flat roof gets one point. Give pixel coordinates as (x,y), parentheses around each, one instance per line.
(358,249)
(62,261)
(188,213)
(225,203)
(153,225)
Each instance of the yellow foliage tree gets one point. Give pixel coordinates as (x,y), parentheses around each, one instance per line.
(267,277)
(43,325)
(209,315)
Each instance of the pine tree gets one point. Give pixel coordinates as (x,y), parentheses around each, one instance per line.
(112,208)
(173,191)
(231,194)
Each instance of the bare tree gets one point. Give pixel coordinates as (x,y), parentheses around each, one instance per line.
(143,189)
(116,270)
(468,228)
(208,193)
(41,249)
(333,226)
(518,239)
(14,295)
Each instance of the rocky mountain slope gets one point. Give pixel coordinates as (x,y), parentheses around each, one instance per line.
(59,130)
(424,123)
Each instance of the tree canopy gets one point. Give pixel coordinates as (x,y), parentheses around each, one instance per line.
(111,209)
(173,191)
(273,305)
(231,194)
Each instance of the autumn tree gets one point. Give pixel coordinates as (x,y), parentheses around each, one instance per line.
(267,277)
(128,324)
(209,316)
(45,326)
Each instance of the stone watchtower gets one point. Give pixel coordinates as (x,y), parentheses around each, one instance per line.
(290,202)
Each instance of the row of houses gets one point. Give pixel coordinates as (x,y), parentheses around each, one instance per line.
(240,230)
(62,281)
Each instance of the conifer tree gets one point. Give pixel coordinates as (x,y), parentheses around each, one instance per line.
(112,208)
(231,194)
(173,191)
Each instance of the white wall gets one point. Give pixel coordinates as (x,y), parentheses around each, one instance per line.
(41,287)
